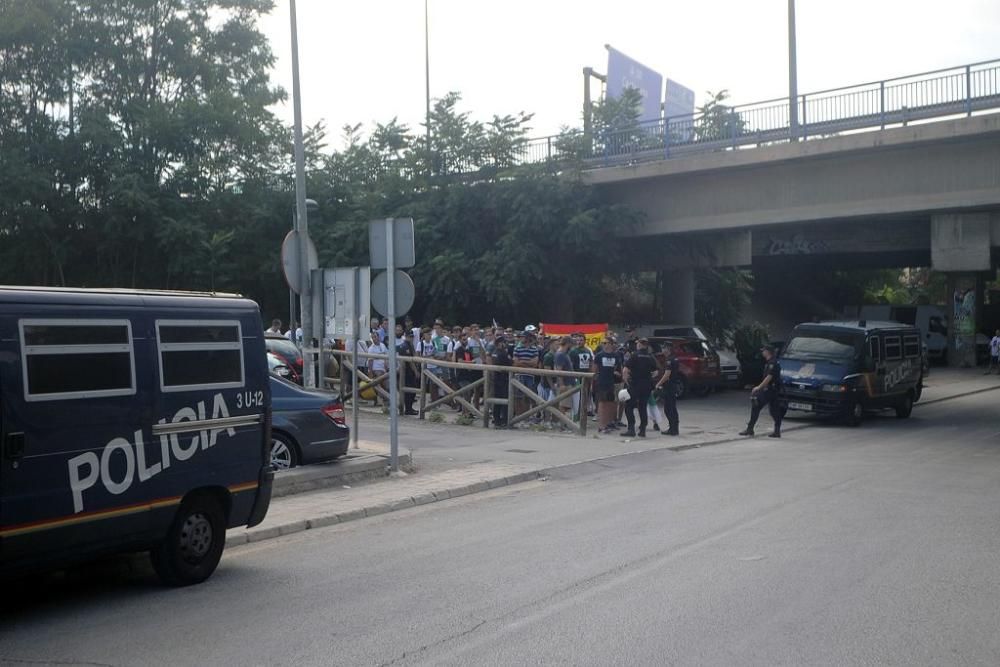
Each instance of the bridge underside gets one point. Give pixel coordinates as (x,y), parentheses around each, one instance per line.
(926,195)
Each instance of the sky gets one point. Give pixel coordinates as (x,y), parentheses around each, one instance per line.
(362,61)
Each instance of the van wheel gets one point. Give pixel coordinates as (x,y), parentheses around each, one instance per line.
(855,414)
(904,407)
(283,452)
(193,546)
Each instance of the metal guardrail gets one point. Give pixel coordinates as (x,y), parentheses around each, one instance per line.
(898,101)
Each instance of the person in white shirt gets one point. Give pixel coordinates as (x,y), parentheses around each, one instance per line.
(275,327)
(377,364)
(994,353)
(297,336)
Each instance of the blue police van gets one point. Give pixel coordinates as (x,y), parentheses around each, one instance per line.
(130,421)
(845,369)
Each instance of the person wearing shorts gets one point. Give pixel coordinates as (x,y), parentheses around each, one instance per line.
(609,372)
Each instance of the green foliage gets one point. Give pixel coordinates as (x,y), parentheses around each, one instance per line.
(720,297)
(716,120)
(138,149)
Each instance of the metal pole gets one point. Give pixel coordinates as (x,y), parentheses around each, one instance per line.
(390,267)
(587,72)
(427,81)
(356,328)
(305,279)
(793,84)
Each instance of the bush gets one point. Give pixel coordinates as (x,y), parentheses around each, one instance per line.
(748,340)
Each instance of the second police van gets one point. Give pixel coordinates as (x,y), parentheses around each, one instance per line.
(844,369)
(130,421)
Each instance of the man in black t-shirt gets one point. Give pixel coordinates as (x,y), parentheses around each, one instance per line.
(638,373)
(609,371)
(766,393)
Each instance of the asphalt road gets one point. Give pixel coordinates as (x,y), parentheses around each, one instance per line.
(833,546)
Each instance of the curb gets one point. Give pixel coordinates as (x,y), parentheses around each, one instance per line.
(322,521)
(260,534)
(355,470)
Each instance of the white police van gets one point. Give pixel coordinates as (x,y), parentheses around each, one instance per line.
(130,421)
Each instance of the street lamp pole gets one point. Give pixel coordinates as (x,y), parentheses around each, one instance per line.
(793,84)
(301,213)
(427,81)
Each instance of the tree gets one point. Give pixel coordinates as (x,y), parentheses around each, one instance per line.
(717,121)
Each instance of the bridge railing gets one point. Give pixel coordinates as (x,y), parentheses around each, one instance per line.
(898,101)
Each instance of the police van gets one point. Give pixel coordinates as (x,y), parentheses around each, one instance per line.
(844,369)
(130,421)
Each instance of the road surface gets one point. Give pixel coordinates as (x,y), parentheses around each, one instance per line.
(832,546)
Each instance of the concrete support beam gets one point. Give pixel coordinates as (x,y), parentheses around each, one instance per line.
(960,242)
(678,296)
(734,249)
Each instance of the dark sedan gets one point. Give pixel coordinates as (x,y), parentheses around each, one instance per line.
(307,425)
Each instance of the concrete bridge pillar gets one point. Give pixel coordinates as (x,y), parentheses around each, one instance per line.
(960,247)
(678,296)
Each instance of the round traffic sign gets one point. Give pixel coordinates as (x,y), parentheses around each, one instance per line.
(290,259)
(403,288)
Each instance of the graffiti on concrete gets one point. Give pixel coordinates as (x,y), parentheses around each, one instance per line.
(797,245)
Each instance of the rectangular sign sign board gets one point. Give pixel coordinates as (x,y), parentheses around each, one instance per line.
(404,255)
(340,286)
(625,72)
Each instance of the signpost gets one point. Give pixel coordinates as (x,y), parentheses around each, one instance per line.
(389,241)
(346,295)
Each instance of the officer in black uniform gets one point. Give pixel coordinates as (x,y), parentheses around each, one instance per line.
(638,375)
(766,393)
(669,385)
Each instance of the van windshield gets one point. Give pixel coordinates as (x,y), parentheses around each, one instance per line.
(824,346)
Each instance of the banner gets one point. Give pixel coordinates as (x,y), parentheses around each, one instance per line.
(594,333)
(624,72)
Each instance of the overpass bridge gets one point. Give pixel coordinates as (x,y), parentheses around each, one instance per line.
(903,172)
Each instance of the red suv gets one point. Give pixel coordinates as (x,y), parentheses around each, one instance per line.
(287,352)
(699,363)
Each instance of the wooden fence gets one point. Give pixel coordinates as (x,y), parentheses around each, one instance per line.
(568,386)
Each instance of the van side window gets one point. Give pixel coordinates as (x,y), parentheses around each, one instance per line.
(893,348)
(199,355)
(875,349)
(911,346)
(75,358)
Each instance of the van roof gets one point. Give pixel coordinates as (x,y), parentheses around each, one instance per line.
(118,296)
(858,325)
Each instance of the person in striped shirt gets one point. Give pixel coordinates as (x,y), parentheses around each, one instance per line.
(525,356)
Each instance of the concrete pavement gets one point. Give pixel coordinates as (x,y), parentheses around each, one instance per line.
(452,460)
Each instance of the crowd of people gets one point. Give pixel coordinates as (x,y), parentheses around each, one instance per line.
(627,378)
(620,363)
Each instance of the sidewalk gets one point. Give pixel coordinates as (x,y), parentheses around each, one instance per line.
(452,460)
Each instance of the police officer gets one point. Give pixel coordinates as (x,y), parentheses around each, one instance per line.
(638,375)
(766,393)
(672,380)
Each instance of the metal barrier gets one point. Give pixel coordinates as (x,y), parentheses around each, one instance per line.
(481,389)
(898,101)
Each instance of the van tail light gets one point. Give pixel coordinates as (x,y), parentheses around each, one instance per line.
(335,411)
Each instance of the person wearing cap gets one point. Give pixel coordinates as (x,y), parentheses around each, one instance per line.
(411,377)
(638,375)
(525,355)
(670,384)
(501,382)
(766,393)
